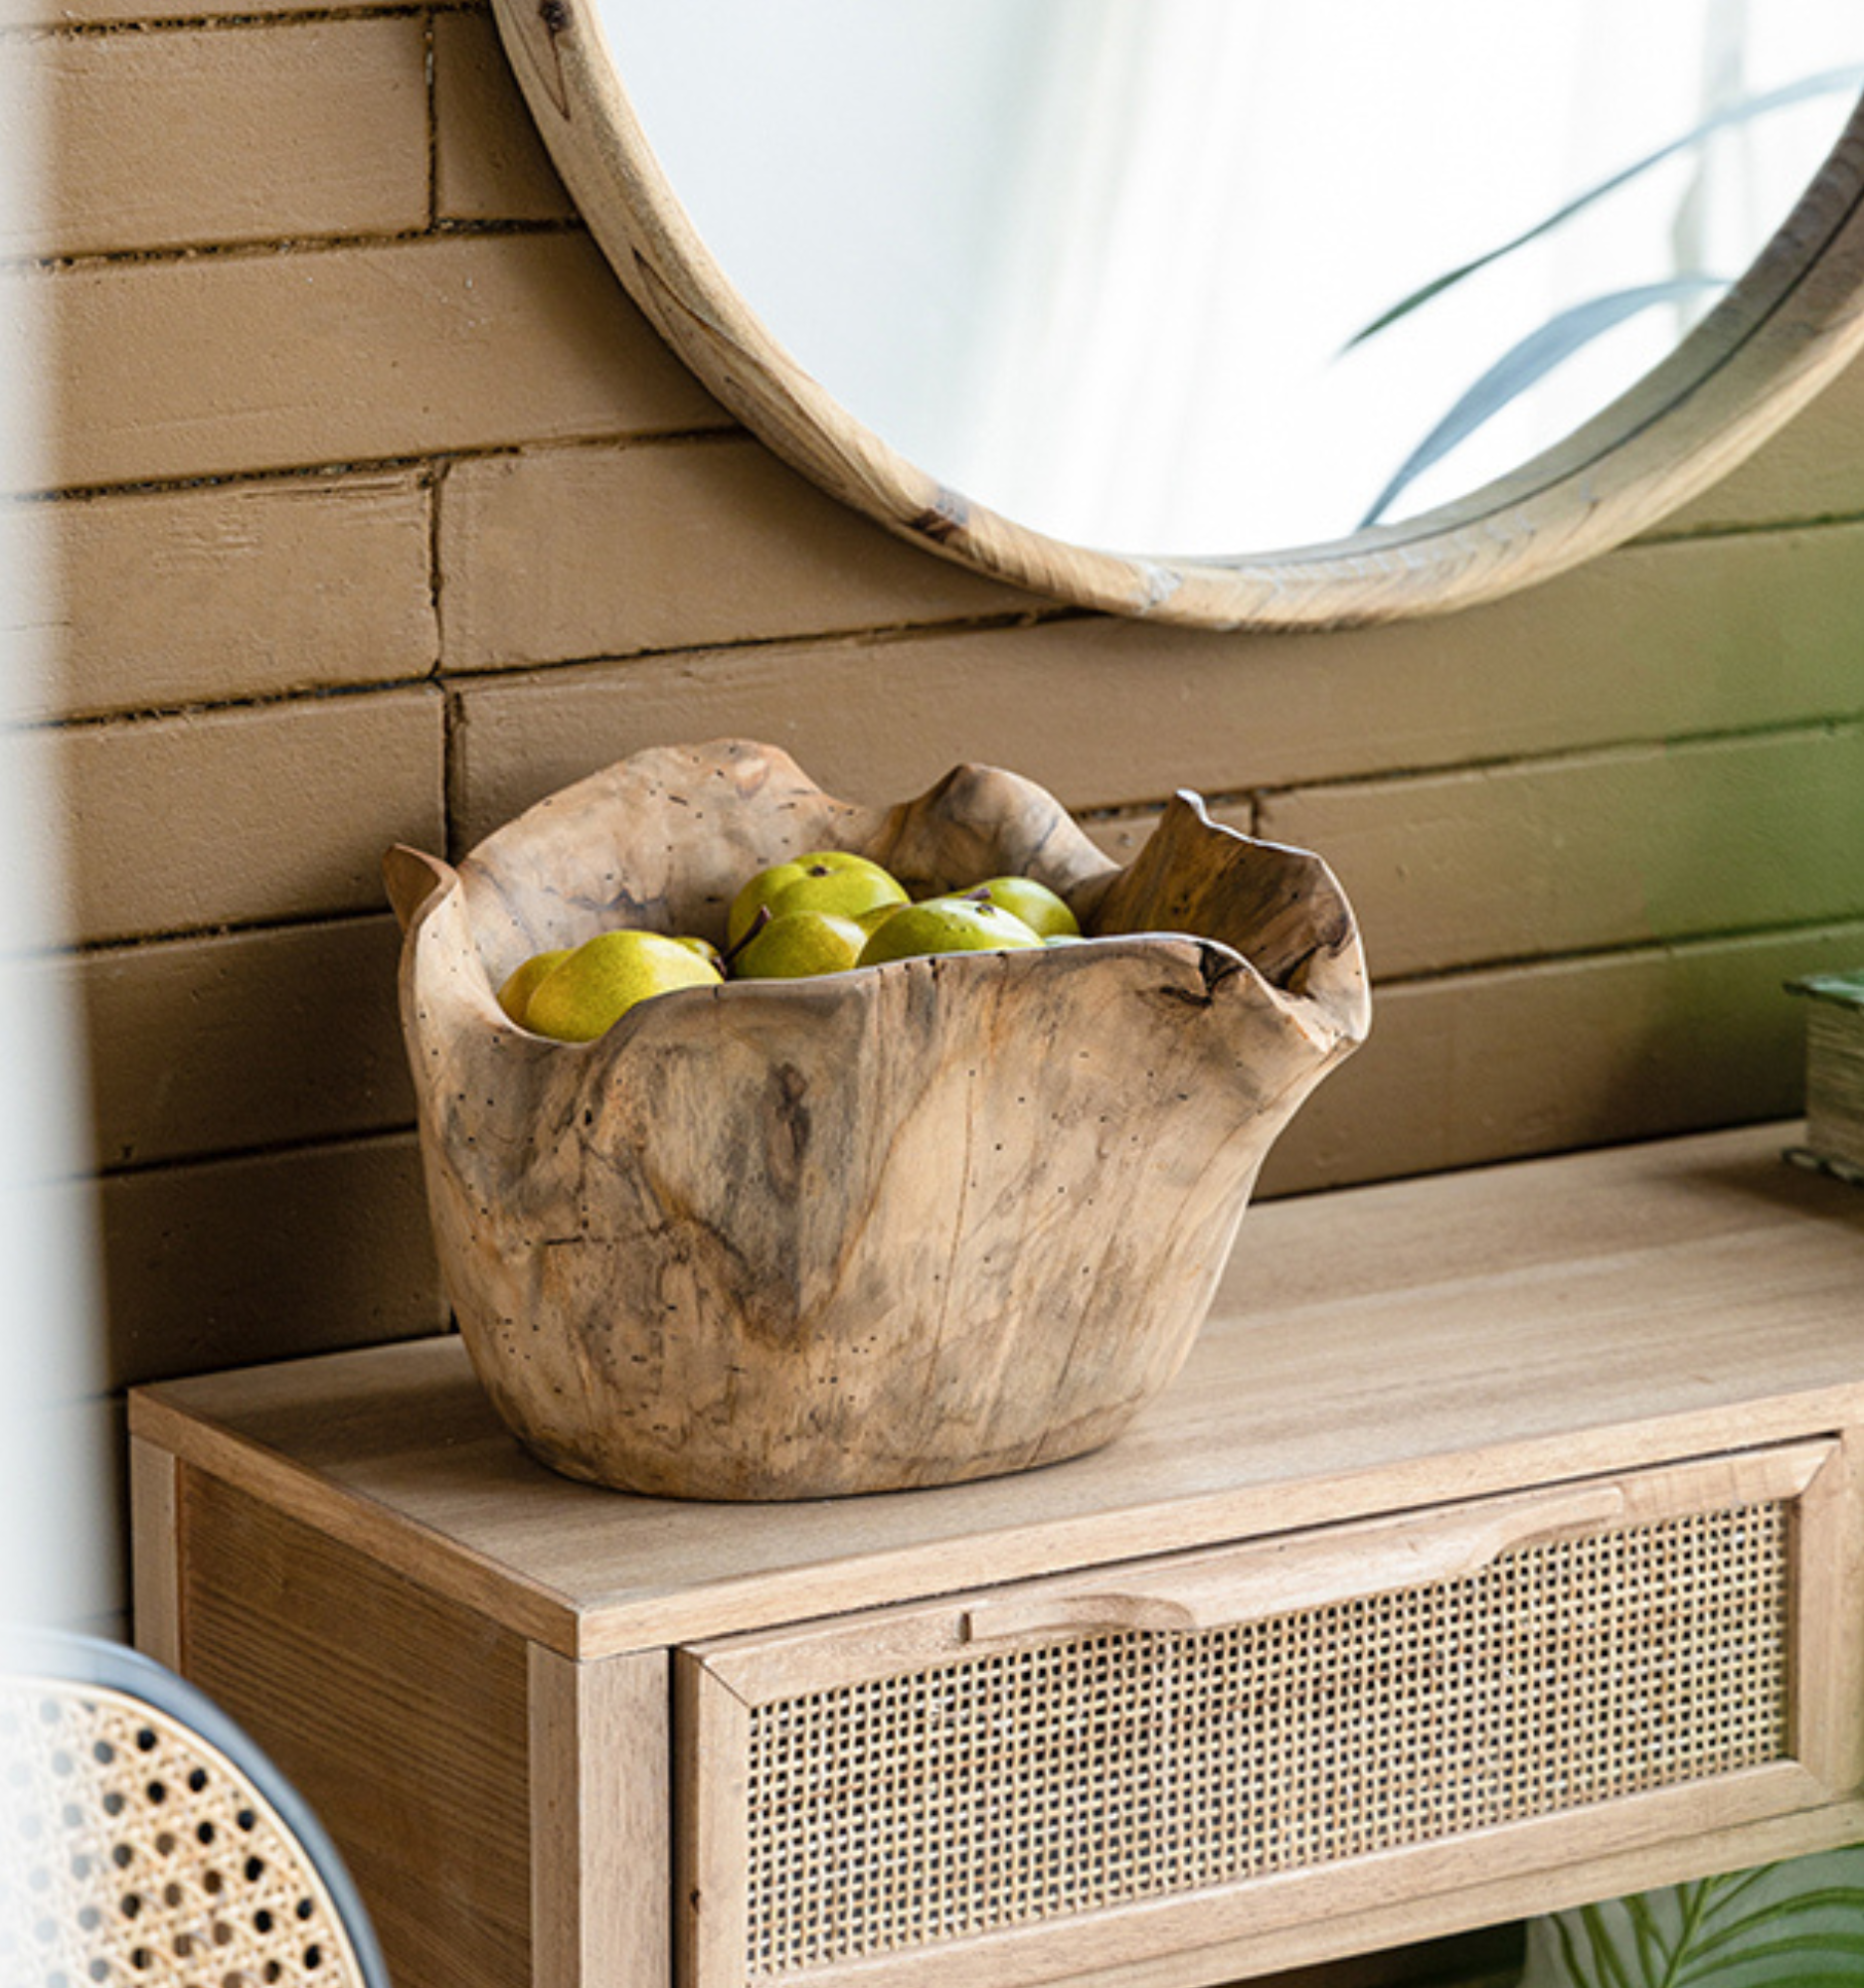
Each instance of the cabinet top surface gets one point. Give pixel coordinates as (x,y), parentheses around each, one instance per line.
(1369,1350)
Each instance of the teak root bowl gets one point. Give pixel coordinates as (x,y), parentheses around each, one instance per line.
(919,1223)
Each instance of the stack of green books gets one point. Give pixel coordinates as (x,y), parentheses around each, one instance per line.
(1834,1073)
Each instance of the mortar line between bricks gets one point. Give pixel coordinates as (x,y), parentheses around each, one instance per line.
(128,28)
(431,62)
(453,727)
(1625,746)
(123,945)
(270,1150)
(875,636)
(440,678)
(193,254)
(355,467)
(317,693)
(430,481)
(125,25)
(1679,944)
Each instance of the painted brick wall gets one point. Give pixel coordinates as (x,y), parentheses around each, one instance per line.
(375,512)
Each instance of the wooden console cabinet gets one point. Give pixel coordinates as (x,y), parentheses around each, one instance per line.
(1500,1547)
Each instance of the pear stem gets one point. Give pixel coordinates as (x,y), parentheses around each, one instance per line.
(745,938)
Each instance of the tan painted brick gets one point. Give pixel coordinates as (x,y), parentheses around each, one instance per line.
(1569,1054)
(183,137)
(563,554)
(1701,636)
(240,362)
(866,723)
(246,816)
(873,722)
(242,1260)
(1649,642)
(1609,849)
(242,1039)
(238,591)
(1122,836)
(489,163)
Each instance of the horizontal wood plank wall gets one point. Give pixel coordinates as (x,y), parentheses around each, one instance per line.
(370,509)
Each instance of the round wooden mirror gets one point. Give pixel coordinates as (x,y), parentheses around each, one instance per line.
(1291,425)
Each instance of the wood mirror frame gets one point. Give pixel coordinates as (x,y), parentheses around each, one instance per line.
(1790,324)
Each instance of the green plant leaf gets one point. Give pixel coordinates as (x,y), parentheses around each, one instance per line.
(1798,1924)
(1610,1964)
(1524,365)
(1831,1897)
(1800,1977)
(1736,1884)
(1696,1901)
(1826,1945)
(1569,1954)
(1649,1939)
(1825,84)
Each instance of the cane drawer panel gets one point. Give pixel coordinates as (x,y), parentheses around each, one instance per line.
(1199,1738)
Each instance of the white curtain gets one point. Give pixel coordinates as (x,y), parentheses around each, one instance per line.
(1207,198)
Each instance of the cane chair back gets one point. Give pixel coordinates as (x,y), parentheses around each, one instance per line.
(144,1840)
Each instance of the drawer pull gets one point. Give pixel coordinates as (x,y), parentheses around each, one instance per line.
(1274,1578)
(1101,1614)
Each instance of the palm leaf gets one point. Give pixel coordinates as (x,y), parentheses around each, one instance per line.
(1742,1941)
(1799,1923)
(1562,1927)
(1825,84)
(1728,1889)
(1649,1939)
(1606,1957)
(1834,1897)
(1843,1975)
(1524,365)
(1824,1945)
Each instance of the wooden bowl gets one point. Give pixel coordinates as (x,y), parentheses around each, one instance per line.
(919,1223)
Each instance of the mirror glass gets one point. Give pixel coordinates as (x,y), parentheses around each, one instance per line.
(1117,268)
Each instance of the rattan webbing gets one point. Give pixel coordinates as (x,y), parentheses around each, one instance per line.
(131,1852)
(1004,1789)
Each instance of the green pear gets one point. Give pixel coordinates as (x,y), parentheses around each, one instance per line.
(764,886)
(584,995)
(1040,909)
(795,944)
(515,995)
(844,892)
(702,946)
(946,924)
